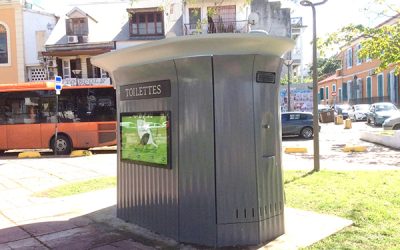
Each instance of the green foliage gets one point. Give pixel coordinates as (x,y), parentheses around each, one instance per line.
(369,198)
(295,79)
(381,43)
(326,66)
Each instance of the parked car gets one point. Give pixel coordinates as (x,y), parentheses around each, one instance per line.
(297,123)
(381,111)
(342,109)
(392,123)
(359,112)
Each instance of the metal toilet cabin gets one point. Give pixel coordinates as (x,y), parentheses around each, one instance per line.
(199,152)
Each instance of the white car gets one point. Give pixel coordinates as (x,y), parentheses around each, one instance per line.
(392,123)
(359,112)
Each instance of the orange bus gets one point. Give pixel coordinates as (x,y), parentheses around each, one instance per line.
(86,117)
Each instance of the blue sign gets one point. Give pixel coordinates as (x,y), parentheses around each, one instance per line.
(58,85)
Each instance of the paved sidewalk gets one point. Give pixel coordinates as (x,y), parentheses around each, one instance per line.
(333,138)
(88,221)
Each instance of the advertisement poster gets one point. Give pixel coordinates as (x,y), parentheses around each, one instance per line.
(145,138)
(300,100)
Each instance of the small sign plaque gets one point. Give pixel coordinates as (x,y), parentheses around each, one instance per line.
(146,90)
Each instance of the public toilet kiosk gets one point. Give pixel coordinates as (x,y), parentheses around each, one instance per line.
(199,152)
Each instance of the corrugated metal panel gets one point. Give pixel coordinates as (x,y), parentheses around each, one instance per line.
(197,219)
(272,228)
(148,196)
(238,234)
(268,141)
(234,139)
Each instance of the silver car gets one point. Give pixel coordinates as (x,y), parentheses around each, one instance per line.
(392,123)
(381,111)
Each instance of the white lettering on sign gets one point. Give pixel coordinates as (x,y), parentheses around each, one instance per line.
(146,90)
(86,81)
(143,91)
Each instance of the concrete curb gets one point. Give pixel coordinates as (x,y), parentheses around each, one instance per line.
(390,138)
(29,154)
(79,153)
(350,148)
(296,150)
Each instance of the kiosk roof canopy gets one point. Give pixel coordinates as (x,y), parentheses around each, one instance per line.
(195,45)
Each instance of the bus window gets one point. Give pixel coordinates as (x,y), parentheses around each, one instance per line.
(22,110)
(48,107)
(4,112)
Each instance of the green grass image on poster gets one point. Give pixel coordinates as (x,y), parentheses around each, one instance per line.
(145,139)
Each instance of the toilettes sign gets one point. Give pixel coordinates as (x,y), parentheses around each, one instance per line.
(147,90)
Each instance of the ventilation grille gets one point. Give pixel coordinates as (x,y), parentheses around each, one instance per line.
(106,126)
(105,137)
(265,77)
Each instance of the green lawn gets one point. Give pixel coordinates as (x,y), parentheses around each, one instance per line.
(79,187)
(370,198)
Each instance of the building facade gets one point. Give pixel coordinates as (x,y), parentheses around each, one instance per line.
(23,32)
(80,33)
(359,81)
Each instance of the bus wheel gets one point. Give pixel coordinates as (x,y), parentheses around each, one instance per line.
(63,145)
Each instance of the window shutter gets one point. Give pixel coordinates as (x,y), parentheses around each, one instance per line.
(396,88)
(388,85)
(89,68)
(68,27)
(78,64)
(59,67)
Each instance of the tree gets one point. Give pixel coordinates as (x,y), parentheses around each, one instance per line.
(382,42)
(326,66)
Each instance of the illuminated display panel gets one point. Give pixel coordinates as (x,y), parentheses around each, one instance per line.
(145,138)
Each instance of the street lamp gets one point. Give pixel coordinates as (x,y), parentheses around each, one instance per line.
(315,83)
(288,63)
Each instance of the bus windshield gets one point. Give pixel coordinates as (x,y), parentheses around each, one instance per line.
(86,117)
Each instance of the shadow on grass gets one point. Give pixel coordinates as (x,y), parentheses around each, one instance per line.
(299,177)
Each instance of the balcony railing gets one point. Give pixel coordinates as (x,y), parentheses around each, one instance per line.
(368,100)
(86,81)
(217,27)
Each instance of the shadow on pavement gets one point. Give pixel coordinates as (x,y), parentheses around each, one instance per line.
(97,230)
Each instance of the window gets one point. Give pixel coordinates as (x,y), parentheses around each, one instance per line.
(221,19)
(194,17)
(358,59)
(4,48)
(21,110)
(147,23)
(359,88)
(333,87)
(344,91)
(340,95)
(77,27)
(349,58)
(321,94)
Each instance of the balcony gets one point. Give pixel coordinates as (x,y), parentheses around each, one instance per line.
(86,81)
(217,27)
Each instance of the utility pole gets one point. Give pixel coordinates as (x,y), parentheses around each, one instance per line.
(315,84)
